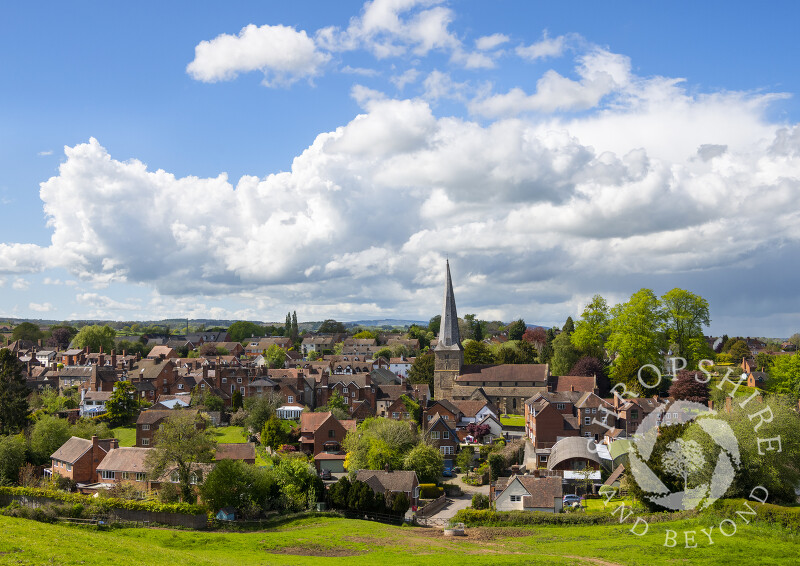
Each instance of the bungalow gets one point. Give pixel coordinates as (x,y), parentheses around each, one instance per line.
(244,451)
(528,493)
(398,481)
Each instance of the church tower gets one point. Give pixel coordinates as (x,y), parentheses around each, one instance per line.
(449,354)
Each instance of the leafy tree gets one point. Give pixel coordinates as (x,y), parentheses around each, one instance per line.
(385,353)
(180,443)
(275,356)
(295,335)
(236,400)
(245,487)
(365,334)
(536,336)
(95,337)
(123,405)
(685,315)
(301,487)
(421,371)
(478,430)
(785,375)
(683,458)
(399,503)
(336,401)
(259,409)
(427,461)
(272,434)
(434,324)
(497,465)
(588,366)
(338,493)
(636,331)
(12,457)
(331,326)
(465,458)
(133,348)
(26,331)
(564,354)
(61,336)
(413,408)
(47,436)
(593,328)
(477,353)
(518,352)
(422,334)
(569,326)
(686,387)
(516,329)
(739,350)
(381,455)
(244,330)
(13,394)
(480,501)
(795,339)
(87,428)
(392,440)
(213,402)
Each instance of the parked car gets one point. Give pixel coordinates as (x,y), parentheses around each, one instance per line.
(571,500)
(447,473)
(325,474)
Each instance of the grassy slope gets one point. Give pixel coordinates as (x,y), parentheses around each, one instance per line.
(361,542)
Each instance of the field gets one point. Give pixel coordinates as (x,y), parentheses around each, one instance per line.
(230,434)
(125,434)
(512,420)
(328,540)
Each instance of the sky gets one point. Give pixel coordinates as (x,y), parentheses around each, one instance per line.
(239,160)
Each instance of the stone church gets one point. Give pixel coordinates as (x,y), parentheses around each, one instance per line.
(507,386)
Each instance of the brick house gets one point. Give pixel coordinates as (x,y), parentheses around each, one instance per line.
(124,464)
(147,424)
(322,432)
(446,410)
(397,481)
(442,436)
(78,458)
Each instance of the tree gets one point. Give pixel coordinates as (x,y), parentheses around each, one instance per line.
(683,458)
(785,375)
(738,351)
(795,339)
(244,330)
(123,405)
(685,387)
(476,353)
(236,400)
(636,331)
(422,334)
(275,356)
(180,443)
(272,434)
(764,361)
(12,457)
(13,394)
(465,458)
(569,326)
(516,329)
(685,314)
(421,371)
(385,353)
(336,401)
(295,329)
(564,354)
(391,440)
(96,337)
(247,488)
(47,436)
(259,409)
(536,336)
(331,326)
(588,366)
(478,431)
(592,330)
(61,336)
(434,324)
(519,352)
(26,331)
(427,461)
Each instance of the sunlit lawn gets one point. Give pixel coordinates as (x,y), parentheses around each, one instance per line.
(125,434)
(230,434)
(512,420)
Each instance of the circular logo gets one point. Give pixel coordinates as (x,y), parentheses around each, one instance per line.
(684,458)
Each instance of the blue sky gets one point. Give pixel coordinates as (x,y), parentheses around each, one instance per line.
(172,161)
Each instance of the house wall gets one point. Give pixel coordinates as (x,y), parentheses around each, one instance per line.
(503,501)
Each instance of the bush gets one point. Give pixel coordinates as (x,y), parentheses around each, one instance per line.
(480,501)
(497,464)
(430,491)
(168,493)
(239,418)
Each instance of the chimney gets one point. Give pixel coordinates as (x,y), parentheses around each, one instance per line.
(101,349)
(727,404)
(114,443)
(113,358)
(40,342)
(711,404)
(205,371)
(94,442)
(572,388)
(101,358)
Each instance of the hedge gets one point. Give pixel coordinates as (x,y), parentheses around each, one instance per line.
(788,517)
(430,491)
(492,518)
(105,502)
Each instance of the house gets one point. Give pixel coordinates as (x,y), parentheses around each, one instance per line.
(528,493)
(162,353)
(397,481)
(443,437)
(474,411)
(78,458)
(244,451)
(317,344)
(124,464)
(446,410)
(46,357)
(757,378)
(148,423)
(93,402)
(322,432)
(288,412)
(565,383)
(400,366)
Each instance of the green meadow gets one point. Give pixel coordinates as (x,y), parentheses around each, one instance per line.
(331,540)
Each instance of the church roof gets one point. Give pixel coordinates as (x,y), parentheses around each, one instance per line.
(449,337)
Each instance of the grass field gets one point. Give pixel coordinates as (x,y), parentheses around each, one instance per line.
(512,420)
(326,540)
(230,434)
(125,434)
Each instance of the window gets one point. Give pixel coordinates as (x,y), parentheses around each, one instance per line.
(242,391)
(434,435)
(559,406)
(290,399)
(224,380)
(445,417)
(543,458)
(675,416)
(587,434)
(634,414)
(193,478)
(586,411)
(125,475)
(587,421)
(395,415)
(353,394)
(141,476)
(145,442)
(69,467)
(174,477)
(238,380)
(107,475)
(145,427)
(202,386)
(446,449)
(515,498)
(180,386)
(430,416)
(446,435)
(594,411)
(344,390)
(331,433)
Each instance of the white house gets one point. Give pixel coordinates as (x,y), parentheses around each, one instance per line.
(527,493)
(93,402)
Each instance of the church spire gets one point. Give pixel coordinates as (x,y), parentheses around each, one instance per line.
(449,337)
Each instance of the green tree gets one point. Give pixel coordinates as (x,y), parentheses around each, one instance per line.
(422,334)
(259,409)
(785,375)
(764,361)
(276,357)
(569,326)
(685,314)
(295,328)
(123,405)
(180,443)
(636,331)
(465,458)
(245,487)
(421,371)
(47,436)
(413,408)
(565,355)
(434,324)
(331,326)
(392,440)
(477,353)
(516,329)
(95,337)
(385,353)
(12,457)
(365,334)
(336,401)
(236,400)
(13,394)
(427,461)
(592,330)
(244,330)
(272,434)
(738,351)
(26,331)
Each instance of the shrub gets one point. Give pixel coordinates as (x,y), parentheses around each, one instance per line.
(168,493)
(430,491)
(497,464)
(480,501)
